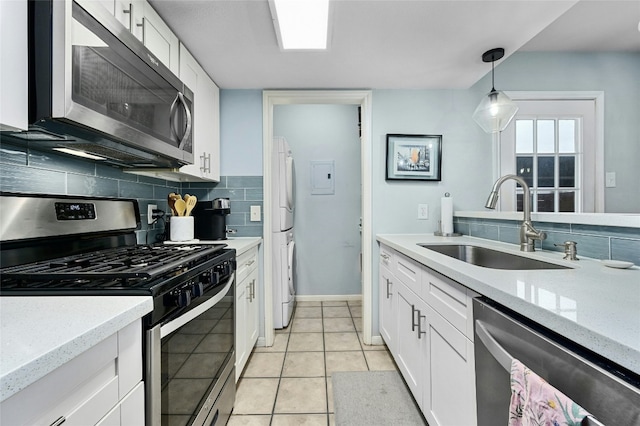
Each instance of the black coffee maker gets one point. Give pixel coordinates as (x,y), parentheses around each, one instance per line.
(210,219)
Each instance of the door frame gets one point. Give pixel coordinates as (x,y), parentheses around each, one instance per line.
(363,98)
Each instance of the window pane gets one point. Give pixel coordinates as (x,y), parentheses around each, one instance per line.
(519,198)
(567,201)
(567,135)
(524,169)
(545,202)
(545,172)
(524,136)
(567,167)
(546,136)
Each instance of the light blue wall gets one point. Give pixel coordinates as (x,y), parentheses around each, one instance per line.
(241,132)
(326,226)
(618,75)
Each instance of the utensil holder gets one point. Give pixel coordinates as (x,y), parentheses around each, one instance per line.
(181,228)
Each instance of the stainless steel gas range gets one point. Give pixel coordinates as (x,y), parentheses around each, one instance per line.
(60,245)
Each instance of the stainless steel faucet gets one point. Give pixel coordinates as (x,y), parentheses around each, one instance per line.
(528,234)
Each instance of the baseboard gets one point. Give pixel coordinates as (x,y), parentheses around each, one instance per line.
(262,342)
(376,341)
(329,298)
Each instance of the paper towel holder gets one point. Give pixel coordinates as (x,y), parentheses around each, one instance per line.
(439,232)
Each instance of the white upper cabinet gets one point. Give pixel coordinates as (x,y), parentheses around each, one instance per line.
(13,72)
(206,131)
(144,22)
(156,36)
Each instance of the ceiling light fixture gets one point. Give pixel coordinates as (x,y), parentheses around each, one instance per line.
(496,110)
(301,24)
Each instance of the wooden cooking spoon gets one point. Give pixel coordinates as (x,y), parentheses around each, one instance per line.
(171,200)
(191,201)
(180,207)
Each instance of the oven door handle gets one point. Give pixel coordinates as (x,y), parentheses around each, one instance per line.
(175,324)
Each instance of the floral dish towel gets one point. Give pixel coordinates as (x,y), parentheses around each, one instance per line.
(534,402)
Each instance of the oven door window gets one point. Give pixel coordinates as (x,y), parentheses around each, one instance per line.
(193,358)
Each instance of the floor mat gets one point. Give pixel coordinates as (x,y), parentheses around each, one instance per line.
(370,398)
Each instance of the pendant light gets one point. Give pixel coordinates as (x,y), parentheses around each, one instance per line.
(496,110)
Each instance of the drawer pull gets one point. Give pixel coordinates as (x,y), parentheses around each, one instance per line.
(420,332)
(251,262)
(59,421)
(413,317)
(385,256)
(388,284)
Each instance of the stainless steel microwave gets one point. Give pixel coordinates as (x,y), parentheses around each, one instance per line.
(95,88)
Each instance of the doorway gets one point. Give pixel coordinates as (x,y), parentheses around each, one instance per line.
(363,100)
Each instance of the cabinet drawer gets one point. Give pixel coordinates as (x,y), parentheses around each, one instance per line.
(387,257)
(409,272)
(67,388)
(450,299)
(246,262)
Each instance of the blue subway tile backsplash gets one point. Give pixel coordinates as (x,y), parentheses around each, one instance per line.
(22,170)
(598,242)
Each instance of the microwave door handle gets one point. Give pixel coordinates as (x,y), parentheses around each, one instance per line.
(172,112)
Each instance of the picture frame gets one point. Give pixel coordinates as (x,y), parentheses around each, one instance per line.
(414,157)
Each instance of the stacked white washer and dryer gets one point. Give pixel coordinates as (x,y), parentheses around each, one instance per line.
(284,289)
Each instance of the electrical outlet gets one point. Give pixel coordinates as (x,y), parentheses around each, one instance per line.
(150,209)
(255,214)
(423,211)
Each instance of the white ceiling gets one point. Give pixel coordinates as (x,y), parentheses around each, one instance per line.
(393,44)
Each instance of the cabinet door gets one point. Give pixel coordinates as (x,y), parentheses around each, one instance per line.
(241,327)
(210,130)
(252,310)
(13,67)
(411,345)
(387,307)
(125,11)
(449,375)
(157,36)
(206,130)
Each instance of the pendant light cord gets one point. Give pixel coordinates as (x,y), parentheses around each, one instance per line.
(493,84)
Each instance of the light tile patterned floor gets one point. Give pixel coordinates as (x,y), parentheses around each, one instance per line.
(290,382)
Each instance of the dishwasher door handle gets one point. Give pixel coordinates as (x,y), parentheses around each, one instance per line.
(505,359)
(501,355)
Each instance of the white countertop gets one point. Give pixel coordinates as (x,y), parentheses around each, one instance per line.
(39,334)
(242,244)
(593,305)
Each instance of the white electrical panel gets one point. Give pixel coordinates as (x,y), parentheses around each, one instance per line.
(322,177)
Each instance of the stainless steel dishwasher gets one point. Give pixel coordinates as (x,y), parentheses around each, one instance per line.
(609,392)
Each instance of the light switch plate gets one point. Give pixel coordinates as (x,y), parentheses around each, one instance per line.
(423,211)
(255,214)
(610,180)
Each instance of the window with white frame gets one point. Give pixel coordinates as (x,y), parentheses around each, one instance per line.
(551,145)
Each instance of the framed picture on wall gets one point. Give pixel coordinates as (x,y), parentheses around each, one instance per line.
(414,157)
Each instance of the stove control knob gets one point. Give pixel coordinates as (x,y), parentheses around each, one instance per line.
(197,289)
(205,278)
(183,298)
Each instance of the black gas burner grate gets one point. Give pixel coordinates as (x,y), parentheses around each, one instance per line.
(123,263)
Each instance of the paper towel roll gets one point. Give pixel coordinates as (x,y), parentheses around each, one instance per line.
(446,215)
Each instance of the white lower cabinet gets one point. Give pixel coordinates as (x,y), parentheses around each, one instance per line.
(388,306)
(412,342)
(103,385)
(247,309)
(429,326)
(449,375)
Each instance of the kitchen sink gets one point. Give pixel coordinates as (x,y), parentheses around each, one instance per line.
(489,258)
